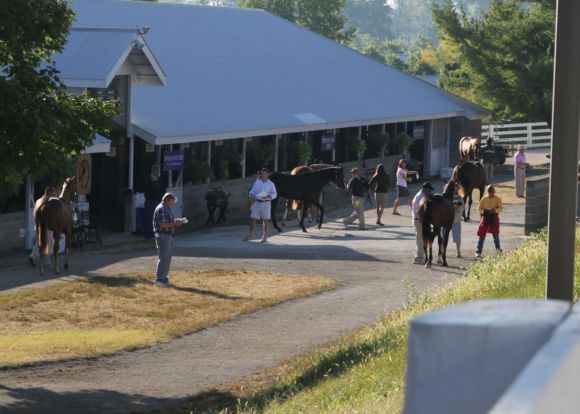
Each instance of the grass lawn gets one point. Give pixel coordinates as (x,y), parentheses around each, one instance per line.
(102,315)
(363,372)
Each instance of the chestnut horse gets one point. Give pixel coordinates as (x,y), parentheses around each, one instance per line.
(55,215)
(295,204)
(436,214)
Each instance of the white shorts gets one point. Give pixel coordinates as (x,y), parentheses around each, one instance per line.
(260,210)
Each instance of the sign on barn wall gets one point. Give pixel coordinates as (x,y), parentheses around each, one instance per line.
(173,160)
(84,169)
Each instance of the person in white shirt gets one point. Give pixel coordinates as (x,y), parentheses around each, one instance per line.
(425,191)
(262,193)
(402,190)
(520,171)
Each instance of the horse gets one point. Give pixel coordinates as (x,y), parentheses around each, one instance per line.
(469,148)
(55,215)
(469,175)
(307,188)
(437,212)
(295,204)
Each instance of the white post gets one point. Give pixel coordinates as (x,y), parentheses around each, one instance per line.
(131,216)
(383,130)
(334,147)
(243,162)
(170,172)
(276,138)
(209,159)
(529,135)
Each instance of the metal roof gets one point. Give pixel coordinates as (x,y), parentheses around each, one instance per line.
(94,56)
(235,73)
(99,145)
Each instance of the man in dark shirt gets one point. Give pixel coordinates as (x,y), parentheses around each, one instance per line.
(488,158)
(154,190)
(357,188)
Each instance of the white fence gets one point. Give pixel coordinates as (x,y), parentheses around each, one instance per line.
(532,135)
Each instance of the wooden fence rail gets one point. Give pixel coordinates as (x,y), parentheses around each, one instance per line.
(533,135)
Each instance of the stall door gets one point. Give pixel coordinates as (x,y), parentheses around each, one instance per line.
(439,146)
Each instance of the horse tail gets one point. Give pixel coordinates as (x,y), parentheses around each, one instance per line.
(426,220)
(41,231)
(295,204)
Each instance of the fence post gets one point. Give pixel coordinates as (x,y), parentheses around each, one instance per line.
(490,131)
(529,135)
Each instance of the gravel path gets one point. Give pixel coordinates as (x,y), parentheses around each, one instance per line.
(370,265)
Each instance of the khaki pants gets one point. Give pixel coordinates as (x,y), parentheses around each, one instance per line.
(419,252)
(520,177)
(488,172)
(358,213)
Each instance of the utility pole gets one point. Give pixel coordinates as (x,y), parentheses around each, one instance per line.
(564,157)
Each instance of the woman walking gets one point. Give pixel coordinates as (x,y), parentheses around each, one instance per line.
(489,208)
(380,183)
(402,190)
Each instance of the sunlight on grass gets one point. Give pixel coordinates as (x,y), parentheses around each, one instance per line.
(363,372)
(101,315)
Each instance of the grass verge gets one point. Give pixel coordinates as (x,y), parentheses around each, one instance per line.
(102,315)
(363,372)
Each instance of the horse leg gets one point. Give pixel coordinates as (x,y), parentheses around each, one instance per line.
(321,209)
(273,205)
(56,236)
(469,206)
(285,213)
(439,241)
(68,241)
(445,243)
(304,210)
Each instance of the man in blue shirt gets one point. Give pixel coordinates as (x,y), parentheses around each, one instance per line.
(164,227)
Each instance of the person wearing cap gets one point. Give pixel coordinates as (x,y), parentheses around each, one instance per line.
(425,191)
(262,193)
(357,188)
(489,208)
(520,170)
(164,225)
(154,190)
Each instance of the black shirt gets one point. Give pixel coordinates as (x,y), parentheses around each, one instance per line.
(154,189)
(382,183)
(357,187)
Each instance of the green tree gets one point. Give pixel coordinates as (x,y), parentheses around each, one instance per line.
(371,17)
(40,124)
(321,16)
(502,60)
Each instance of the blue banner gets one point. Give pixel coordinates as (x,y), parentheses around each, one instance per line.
(327,142)
(173,160)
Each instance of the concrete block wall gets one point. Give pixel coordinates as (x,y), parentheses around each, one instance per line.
(537,194)
(10,225)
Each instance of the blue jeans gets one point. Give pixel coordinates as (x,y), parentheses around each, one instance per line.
(164,244)
(482,239)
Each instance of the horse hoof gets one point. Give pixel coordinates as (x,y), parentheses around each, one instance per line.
(304,231)
(445,264)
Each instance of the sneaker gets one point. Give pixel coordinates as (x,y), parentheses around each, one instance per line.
(162,285)
(264,240)
(458,254)
(379,223)
(396,213)
(418,260)
(478,255)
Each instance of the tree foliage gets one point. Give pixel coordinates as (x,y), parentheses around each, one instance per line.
(321,16)
(502,60)
(40,124)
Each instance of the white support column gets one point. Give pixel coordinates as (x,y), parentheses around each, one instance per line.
(383,130)
(334,149)
(29,212)
(277,139)
(209,159)
(170,172)
(244,145)
(128,102)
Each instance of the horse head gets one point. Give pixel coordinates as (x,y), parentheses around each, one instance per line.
(69,189)
(339,177)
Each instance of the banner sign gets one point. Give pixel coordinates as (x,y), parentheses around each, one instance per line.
(84,170)
(173,160)
(327,142)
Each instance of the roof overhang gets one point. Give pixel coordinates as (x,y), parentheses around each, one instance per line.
(130,55)
(152,138)
(100,145)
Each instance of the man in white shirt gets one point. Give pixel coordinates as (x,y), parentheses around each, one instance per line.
(520,171)
(262,193)
(425,191)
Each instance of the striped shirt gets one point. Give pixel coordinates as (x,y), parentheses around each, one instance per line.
(162,214)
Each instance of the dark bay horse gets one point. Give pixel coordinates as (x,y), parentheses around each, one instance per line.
(307,188)
(469,175)
(55,215)
(295,204)
(436,215)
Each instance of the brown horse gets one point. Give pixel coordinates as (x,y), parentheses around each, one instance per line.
(469,175)
(469,148)
(295,204)
(55,215)
(436,214)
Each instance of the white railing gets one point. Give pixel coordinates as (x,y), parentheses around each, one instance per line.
(532,135)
